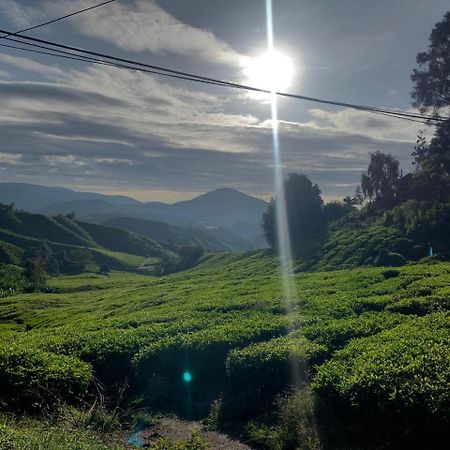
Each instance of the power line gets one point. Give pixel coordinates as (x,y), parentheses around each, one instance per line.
(54,46)
(49,22)
(71,56)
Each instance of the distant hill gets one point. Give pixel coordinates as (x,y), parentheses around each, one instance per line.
(84,209)
(221,208)
(211,239)
(33,197)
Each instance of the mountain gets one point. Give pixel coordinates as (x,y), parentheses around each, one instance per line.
(33,197)
(222,208)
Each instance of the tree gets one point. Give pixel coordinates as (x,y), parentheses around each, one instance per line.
(432,92)
(432,78)
(34,271)
(335,210)
(420,150)
(438,156)
(347,201)
(358,198)
(82,257)
(303,210)
(381,181)
(104,270)
(434,164)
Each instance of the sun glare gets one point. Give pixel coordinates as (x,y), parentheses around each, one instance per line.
(273,71)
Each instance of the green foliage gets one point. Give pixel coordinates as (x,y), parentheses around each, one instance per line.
(9,253)
(33,434)
(119,240)
(431,78)
(176,236)
(224,321)
(41,227)
(381,181)
(257,373)
(33,378)
(186,258)
(292,426)
(335,210)
(396,380)
(71,246)
(335,334)
(422,222)
(303,210)
(11,280)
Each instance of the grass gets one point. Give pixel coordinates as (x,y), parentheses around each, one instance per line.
(224,321)
(30,434)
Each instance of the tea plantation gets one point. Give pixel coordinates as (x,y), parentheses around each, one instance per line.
(361,361)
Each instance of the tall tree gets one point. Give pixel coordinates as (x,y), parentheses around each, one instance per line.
(432,92)
(432,78)
(303,209)
(381,181)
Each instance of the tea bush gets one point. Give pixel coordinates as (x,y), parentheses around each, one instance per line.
(394,383)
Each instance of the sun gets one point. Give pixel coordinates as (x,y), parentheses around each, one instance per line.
(272,71)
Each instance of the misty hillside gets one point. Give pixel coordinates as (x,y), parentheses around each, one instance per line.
(211,239)
(221,208)
(33,197)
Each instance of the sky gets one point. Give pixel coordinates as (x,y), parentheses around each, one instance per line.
(103,129)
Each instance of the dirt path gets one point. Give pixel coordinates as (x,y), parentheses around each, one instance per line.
(176,429)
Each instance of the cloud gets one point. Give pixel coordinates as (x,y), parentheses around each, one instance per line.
(194,146)
(45,93)
(367,124)
(20,15)
(114,129)
(10,158)
(143,25)
(171,139)
(30,65)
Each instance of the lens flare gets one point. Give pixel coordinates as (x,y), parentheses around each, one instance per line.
(283,238)
(187,377)
(272,71)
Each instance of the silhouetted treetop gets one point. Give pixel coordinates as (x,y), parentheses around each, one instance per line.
(432,78)
(303,209)
(380,182)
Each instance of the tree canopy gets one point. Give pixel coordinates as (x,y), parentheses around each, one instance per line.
(380,182)
(432,78)
(303,209)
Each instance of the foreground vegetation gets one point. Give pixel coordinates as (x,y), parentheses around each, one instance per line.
(369,348)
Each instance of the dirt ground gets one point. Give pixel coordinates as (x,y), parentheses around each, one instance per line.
(176,429)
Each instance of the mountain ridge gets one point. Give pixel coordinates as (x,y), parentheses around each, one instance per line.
(221,208)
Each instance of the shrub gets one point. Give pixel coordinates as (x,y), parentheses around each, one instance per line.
(257,373)
(386,258)
(390,274)
(336,334)
(31,378)
(393,385)
(161,366)
(12,281)
(292,426)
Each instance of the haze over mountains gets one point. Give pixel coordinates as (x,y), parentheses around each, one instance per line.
(223,215)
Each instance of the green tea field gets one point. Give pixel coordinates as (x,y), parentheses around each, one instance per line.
(370,347)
